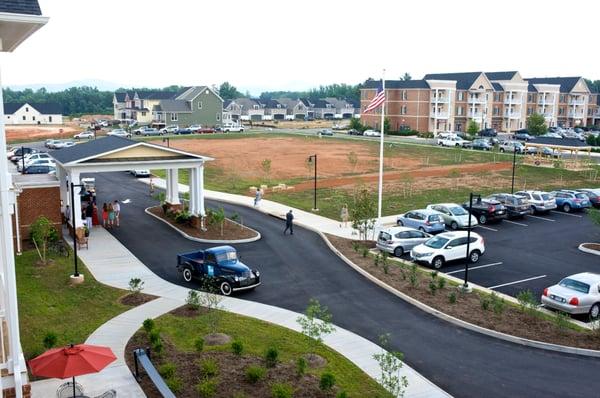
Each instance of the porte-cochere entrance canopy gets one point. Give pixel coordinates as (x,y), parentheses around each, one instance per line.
(122,154)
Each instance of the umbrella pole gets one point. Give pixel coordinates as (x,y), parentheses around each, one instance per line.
(73,386)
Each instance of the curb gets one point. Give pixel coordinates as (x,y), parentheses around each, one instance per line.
(459,322)
(223,241)
(586,250)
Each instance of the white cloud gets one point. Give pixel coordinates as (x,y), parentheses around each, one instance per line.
(293,45)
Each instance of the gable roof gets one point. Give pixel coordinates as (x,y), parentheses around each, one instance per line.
(272,104)
(157,95)
(29,7)
(464,80)
(501,75)
(171,105)
(120,96)
(45,108)
(397,84)
(566,83)
(497,86)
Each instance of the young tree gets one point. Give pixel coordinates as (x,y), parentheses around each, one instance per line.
(266,168)
(42,232)
(472,127)
(210,299)
(406,76)
(390,363)
(353,160)
(363,212)
(218,217)
(356,124)
(310,166)
(387,125)
(227,91)
(315,323)
(536,124)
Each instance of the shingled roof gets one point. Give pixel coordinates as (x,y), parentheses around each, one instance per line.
(29,7)
(45,108)
(566,83)
(397,84)
(501,75)
(91,148)
(464,80)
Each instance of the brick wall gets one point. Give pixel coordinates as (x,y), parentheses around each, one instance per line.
(35,202)
(11,393)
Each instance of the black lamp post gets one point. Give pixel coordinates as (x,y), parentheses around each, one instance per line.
(168,141)
(312,158)
(22,160)
(73,223)
(466,283)
(512,185)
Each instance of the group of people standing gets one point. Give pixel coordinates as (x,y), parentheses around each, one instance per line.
(111,214)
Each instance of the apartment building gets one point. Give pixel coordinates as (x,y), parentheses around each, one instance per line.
(500,100)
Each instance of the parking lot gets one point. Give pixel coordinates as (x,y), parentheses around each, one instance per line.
(532,253)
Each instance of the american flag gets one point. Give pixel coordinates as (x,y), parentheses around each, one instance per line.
(377,100)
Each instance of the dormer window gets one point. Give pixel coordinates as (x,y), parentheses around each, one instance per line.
(199,104)
(26,109)
(255,106)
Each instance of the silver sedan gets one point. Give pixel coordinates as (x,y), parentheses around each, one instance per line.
(400,240)
(575,294)
(454,215)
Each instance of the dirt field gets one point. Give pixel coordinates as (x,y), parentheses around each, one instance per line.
(33,132)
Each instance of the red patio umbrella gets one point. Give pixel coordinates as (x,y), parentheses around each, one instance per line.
(71,361)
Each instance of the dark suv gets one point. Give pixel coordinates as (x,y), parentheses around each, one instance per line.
(488,133)
(487,210)
(516,206)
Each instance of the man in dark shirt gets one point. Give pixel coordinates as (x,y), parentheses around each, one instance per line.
(89,213)
(289,223)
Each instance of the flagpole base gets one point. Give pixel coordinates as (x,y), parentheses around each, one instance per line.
(315,210)
(76,280)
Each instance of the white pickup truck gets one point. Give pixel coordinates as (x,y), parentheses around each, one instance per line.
(233,129)
(453,141)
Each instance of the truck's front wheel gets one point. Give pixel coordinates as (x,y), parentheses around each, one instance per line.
(187,275)
(226,289)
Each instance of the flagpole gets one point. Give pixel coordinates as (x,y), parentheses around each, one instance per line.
(381,153)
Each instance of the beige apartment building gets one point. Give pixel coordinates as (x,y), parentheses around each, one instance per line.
(500,100)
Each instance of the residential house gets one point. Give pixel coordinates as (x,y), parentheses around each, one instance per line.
(296,108)
(322,108)
(248,109)
(593,118)
(138,105)
(274,110)
(344,109)
(119,105)
(33,113)
(193,105)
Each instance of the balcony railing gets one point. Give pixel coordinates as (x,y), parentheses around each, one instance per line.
(439,115)
(440,99)
(513,100)
(475,115)
(577,102)
(476,100)
(512,115)
(576,114)
(546,101)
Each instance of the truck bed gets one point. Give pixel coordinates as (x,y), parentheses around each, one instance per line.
(193,257)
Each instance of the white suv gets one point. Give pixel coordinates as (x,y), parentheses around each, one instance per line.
(448,246)
(540,202)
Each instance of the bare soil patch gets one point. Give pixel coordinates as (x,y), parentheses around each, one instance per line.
(187,311)
(231,230)
(133,300)
(512,320)
(217,339)
(31,132)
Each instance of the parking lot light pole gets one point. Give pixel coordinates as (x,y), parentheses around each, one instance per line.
(313,158)
(512,186)
(465,287)
(73,223)
(22,160)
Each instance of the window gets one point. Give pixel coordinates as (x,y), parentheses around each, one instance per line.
(561,98)
(33,118)
(143,113)
(24,117)
(218,117)
(460,95)
(529,97)
(496,110)
(459,110)
(174,117)
(404,95)
(26,109)
(199,104)
(561,111)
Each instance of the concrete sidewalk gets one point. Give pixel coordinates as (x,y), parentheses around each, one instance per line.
(303,218)
(113,264)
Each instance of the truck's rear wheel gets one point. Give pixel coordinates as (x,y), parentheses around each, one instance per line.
(187,275)
(226,289)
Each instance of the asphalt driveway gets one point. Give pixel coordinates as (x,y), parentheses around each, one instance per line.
(297,268)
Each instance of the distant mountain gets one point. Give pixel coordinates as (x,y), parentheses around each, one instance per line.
(102,85)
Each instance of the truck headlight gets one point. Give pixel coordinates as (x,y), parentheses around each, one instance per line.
(257,273)
(236,278)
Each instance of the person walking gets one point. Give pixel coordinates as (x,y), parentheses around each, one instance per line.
(289,223)
(344,215)
(257,197)
(111,215)
(117,209)
(104,215)
(89,213)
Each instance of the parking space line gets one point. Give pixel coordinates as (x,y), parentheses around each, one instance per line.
(472,268)
(541,218)
(515,282)
(488,228)
(517,223)
(566,214)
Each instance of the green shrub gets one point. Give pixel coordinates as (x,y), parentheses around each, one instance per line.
(148,325)
(413,276)
(432,287)
(209,368)
(271,357)
(175,384)
(193,299)
(282,390)
(355,246)
(561,320)
(255,373)
(342,394)
(50,340)
(377,260)
(154,336)
(452,298)
(327,381)
(526,300)
(301,366)
(167,371)
(441,283)
(364,251)
(136,285)
(199,344)
(498,303)
(485,302)
(183,217)
(237,347)
(158,347)
(207,388)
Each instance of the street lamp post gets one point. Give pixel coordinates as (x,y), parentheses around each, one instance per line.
(73,224)
(512,186)
(167,140)
(22,160)
(465,286)
(312,158)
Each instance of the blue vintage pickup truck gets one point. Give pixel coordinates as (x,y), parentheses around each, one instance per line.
(220,267)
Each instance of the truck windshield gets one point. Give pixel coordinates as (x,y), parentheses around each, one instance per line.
(227,256)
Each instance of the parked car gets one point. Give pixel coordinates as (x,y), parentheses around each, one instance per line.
(423,219)
(482,144)
(325,132)
(516,206)
(592,194)
(399,240)
(233,129)
(39,169)
(148,131)
(540,202)
(64,144)
(172,129)
(35,156)
(184,131)
(50,143)
(38,162)
(84,134)
(488,133)
(372,133)
(119,133)
(195,127)
(140,173)
(448,246)
(454,142)
(511,146)
(486,210)
(568,200)
(20,152)
(454,215)
(444,136)
(354,132)
(575,294)
(206,130)
(551,135)
(220,267)
(523,135)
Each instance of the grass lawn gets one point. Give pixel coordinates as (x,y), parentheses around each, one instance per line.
(257,336)
(48,303)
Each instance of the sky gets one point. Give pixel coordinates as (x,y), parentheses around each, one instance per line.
(297,45)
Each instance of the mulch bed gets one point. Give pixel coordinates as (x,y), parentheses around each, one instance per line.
(133,300)
(231,377)
(231,230)
(187,311)
(512,320)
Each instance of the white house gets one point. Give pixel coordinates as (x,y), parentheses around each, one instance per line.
(33,113)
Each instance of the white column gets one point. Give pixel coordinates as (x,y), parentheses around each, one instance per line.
(74,178)
(173,184)
(193,191)
(9,290)
(200,188)
(61,174)
(168,185)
